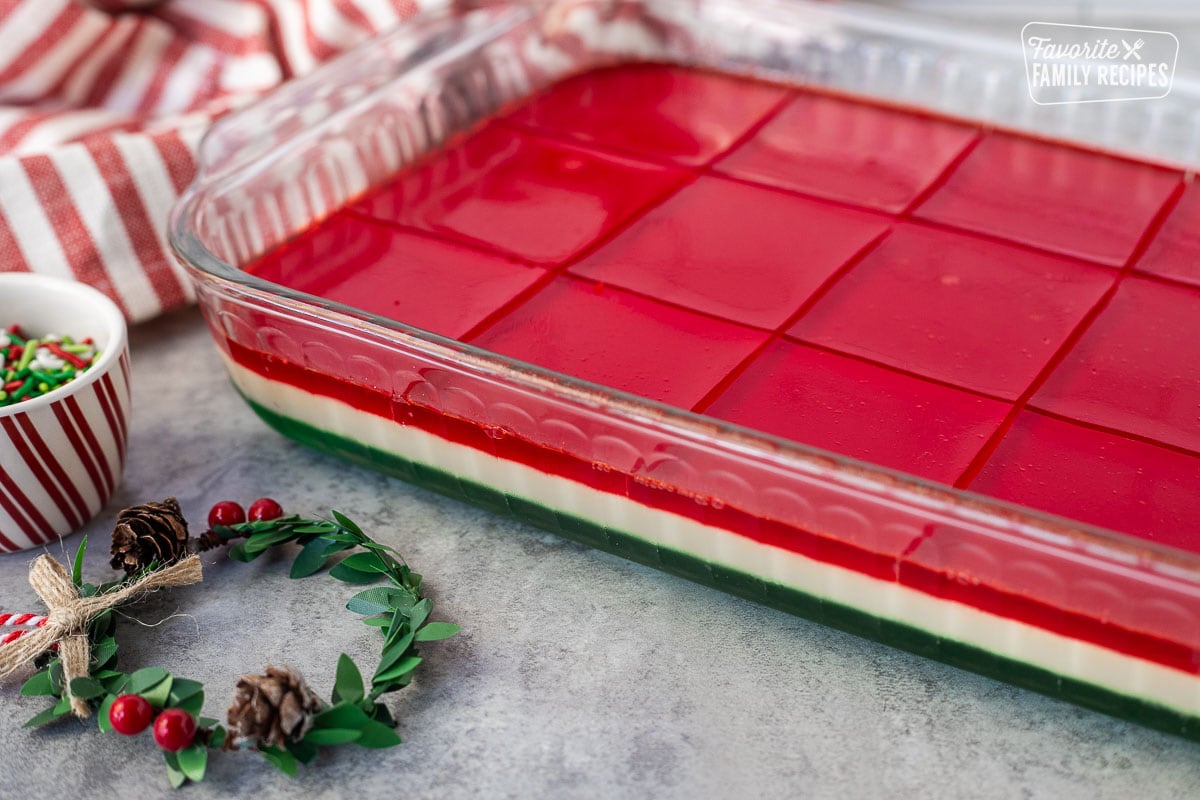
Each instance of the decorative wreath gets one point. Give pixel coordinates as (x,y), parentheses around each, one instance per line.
(275,713)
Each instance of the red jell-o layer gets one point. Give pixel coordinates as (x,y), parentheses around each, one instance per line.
(1099,478)
(1137,368)
(849,150)
(408,277)
(621,340)
(861,410)
(1055,197)
(663,112)
(744,253)
(1175,251)
(520,194)
(663,280)
(975,313)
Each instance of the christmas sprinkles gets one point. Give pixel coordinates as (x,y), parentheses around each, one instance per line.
(31,366)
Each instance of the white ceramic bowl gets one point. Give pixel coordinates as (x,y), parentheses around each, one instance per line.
(62,454)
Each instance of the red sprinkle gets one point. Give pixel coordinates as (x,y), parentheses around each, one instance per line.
(73,359)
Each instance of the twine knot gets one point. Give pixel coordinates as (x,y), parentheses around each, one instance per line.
(69,615)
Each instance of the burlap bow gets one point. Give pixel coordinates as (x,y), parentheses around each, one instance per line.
(70,614)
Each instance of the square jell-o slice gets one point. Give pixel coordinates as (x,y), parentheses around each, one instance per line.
(976,313)
(1137,368)
(374,268)
(660,111)
(1175,250)
(850,150)
(1053,196)
(745,253)
(525,196)
(861,410)
(621,340)
(1100,478)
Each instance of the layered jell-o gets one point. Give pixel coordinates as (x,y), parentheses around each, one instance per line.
(979,308)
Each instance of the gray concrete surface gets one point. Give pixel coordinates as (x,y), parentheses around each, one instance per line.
(577,675)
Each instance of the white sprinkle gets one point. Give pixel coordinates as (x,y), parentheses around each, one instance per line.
(43,359)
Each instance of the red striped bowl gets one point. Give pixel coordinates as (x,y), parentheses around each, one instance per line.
(61,454)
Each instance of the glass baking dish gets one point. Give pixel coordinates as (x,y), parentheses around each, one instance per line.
(1094,616)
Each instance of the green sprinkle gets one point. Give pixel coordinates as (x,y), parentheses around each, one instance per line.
(28,354)
(24,390)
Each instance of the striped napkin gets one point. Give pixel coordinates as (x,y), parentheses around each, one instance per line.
(102,105)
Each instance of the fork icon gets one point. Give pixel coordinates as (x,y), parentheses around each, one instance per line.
(1132,49)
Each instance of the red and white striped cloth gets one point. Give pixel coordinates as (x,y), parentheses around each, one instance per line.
(101,112)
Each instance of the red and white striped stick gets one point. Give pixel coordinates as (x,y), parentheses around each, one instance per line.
(29,621)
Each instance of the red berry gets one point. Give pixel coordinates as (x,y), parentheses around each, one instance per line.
(265,508)
(174,729)
(226,513)
(130,714)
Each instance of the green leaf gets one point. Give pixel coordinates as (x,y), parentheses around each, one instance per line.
(343,715)
(379,713)
(376,600)
(39,684)
(348,682)
(436,631)
(158,694)
(420,612)
(192,761)
(347,523)
(310,558)
(86,688)
(174,773)
(282,759)
(114,681)
(183,688)
(217,738)
(102,720)
(186,694)
(103,624)
(259,542)
(351,575)
(365,562)
(316,527)
(104,652)
(377,736)
(331,736)
(304,750)
(402,668)
(238,553)
(56,675)
(77,565)
(59,709)
(192,704)
(377,622)
(348,539)
(146,678)
(399,629)
(393,652)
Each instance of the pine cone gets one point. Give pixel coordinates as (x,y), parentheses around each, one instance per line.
(272,709)
(148,533)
